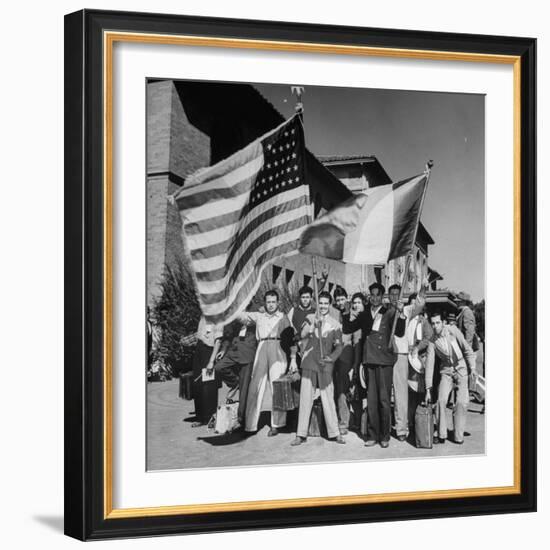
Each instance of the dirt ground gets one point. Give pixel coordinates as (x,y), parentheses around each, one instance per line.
(173,444)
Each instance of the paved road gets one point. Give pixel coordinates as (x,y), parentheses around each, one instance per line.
(173,444)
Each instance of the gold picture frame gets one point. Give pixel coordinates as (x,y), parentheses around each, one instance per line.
(101,33)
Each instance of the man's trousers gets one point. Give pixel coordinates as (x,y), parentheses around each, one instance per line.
(342,368)
(269,364)
(237,378)
(310,381)
(460,408)
(379,382)
(401,394)
(200,360)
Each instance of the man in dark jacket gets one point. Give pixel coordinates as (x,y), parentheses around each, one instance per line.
(376,324)
(234,361)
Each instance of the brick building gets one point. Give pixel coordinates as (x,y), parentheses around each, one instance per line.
(193,124)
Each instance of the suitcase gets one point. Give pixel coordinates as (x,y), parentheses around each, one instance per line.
(317,425)
(227,418)
(424,426)
(476,387)
(286,392)
(205,395)
(186,386)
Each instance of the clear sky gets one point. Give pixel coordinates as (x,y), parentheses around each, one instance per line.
(405,129)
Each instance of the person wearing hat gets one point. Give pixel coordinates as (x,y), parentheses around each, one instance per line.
(465,321)
(451,319)
(376,324)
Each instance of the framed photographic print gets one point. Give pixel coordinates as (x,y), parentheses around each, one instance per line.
(300,274)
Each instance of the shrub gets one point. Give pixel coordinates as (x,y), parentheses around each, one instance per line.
(176,313)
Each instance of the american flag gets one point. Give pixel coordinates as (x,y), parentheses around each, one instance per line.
(242,214)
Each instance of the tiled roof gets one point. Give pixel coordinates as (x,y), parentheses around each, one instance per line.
(346,158)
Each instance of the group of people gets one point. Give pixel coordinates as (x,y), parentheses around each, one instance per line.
(373,342)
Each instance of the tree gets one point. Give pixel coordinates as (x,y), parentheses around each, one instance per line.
(176,313)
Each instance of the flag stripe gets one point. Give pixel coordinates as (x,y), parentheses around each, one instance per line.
(370,241)
(213,243)
(226,173)
(407,203)
(216,223)
(226,220)
(238,182)
(242,186)
(244,292)
(218,280)
(284,210)
(218,242)
(241,214)
(221,254)
(204,212)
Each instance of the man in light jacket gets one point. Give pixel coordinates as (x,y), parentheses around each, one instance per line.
(273,328)
(403,346)
(456,361)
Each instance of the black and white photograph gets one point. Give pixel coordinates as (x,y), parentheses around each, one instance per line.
(315,274)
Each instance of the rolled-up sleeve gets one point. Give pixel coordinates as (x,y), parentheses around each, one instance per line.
(249,316)
(469,354)
(218,331)
(430,362)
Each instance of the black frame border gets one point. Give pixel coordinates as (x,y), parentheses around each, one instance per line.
(84,254)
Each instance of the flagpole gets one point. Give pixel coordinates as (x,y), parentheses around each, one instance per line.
(428,171)
(299,108)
